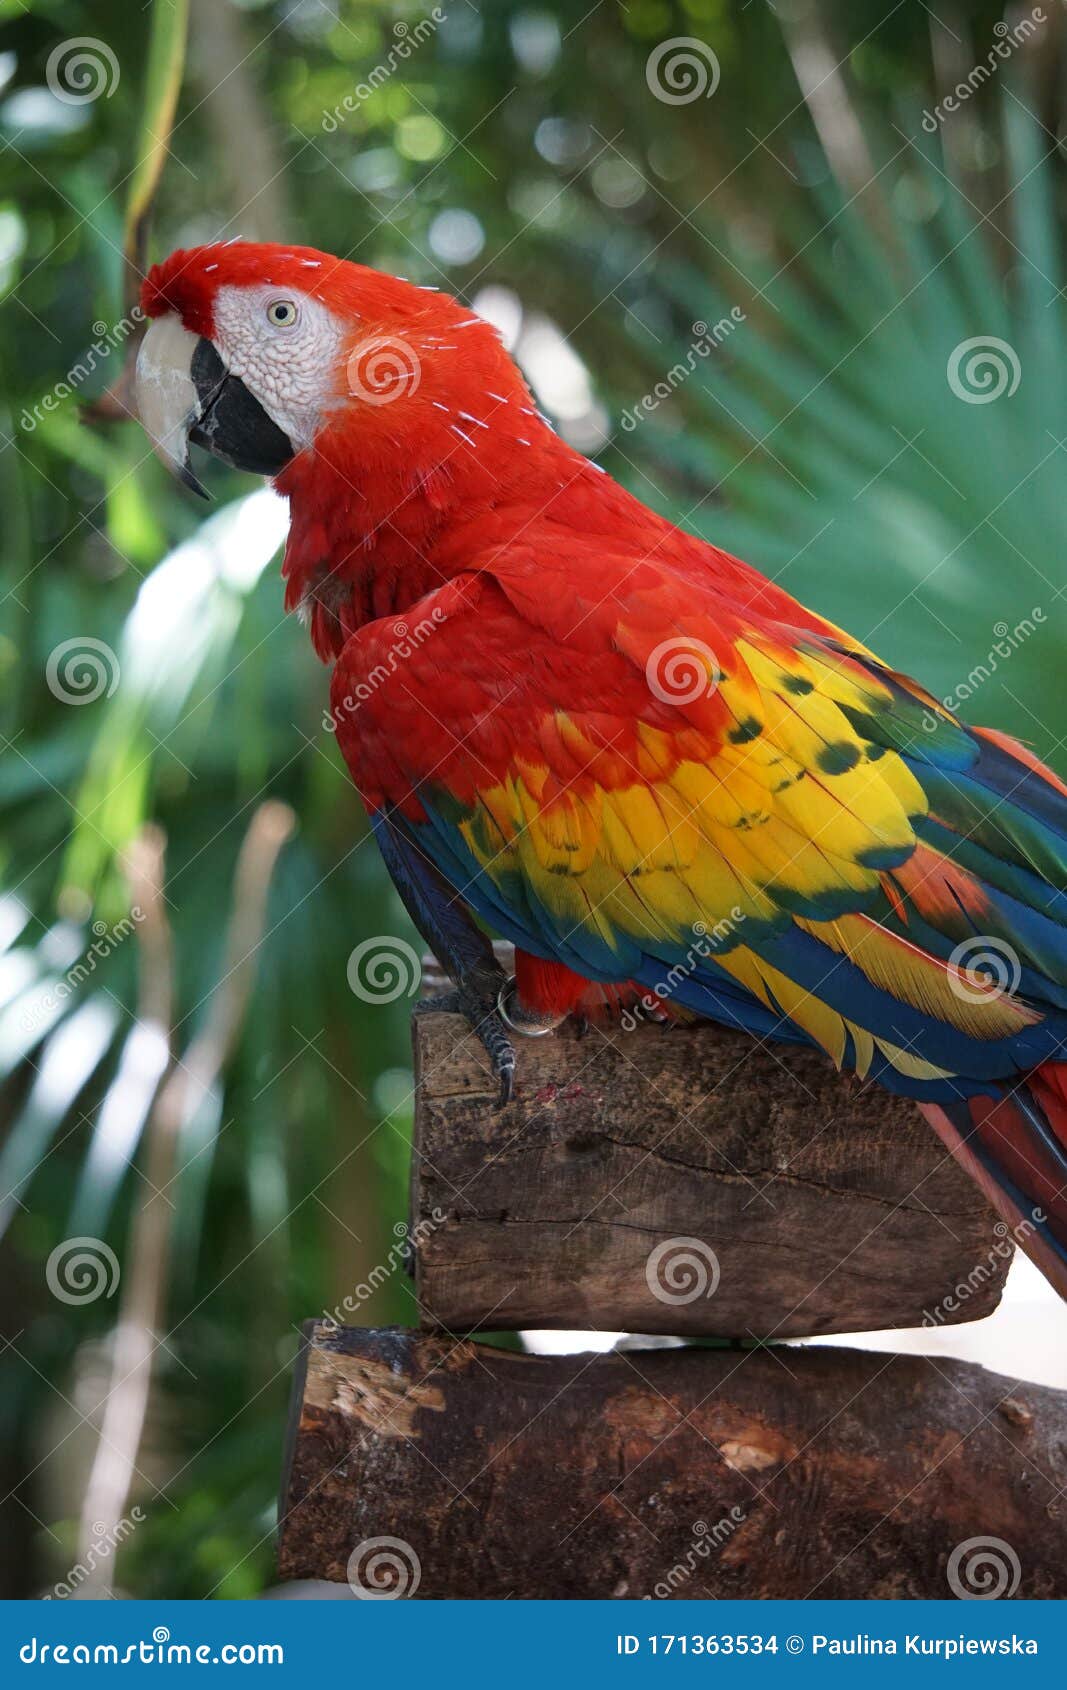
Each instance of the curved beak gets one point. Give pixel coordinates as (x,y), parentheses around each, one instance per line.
(185,392)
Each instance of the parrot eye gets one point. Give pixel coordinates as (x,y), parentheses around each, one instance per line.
(282,313)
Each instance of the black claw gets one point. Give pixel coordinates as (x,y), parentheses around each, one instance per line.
(506,1075)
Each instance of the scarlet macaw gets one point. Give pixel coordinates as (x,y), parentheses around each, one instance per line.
(620,747)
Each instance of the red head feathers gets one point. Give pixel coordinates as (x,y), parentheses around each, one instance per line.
(403,413)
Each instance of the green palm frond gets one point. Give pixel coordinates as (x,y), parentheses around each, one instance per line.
(884,432)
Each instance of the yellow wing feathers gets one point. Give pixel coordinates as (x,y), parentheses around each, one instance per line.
(776,816)
(789,803)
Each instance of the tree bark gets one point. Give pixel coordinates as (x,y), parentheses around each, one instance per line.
(686,1181)
(670,1472)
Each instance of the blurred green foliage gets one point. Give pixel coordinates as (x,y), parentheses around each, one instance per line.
(512,146)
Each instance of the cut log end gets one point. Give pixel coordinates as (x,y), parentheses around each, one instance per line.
(687,1181)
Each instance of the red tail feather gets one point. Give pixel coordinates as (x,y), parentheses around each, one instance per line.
(1049,1086)
(1015,1148)
(550,988)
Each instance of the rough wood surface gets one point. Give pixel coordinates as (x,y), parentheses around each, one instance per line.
(684,1181)
(669,1472)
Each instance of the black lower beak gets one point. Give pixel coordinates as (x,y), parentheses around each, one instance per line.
(232,424)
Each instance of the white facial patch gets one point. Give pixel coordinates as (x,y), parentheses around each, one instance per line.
(284,346)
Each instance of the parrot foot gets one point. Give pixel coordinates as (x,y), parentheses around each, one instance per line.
(477,1000)
(486,997)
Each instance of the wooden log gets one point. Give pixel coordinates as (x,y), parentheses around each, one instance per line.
(671,1472)
(686,1181)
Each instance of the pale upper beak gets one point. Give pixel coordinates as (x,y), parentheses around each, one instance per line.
(185,392)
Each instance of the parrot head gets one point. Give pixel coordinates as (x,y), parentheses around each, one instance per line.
(261,352)
(390,416)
